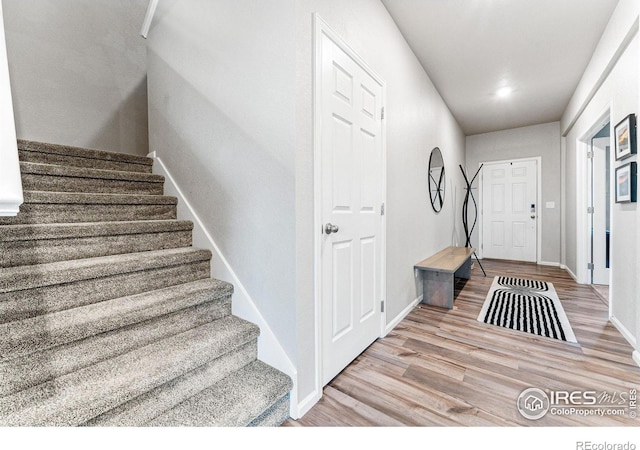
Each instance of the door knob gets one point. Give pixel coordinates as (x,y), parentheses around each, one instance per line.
(329,228)
(533,216)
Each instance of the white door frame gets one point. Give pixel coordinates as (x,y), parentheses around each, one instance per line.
(539,208)
(583,225)
(321,28)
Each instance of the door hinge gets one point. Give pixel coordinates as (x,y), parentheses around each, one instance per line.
(590,266)
(382,210)
(382,306)
(382,113)
(590,155)
(590,210)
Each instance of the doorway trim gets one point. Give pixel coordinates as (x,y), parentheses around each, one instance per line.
(583,231)
(539,211)
(320,28)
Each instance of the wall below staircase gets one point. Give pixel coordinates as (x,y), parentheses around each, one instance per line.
(78,71)
(222,120)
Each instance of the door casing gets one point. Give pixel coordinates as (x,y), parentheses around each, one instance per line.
(540,208)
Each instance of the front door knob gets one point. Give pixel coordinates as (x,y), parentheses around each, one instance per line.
(329,228)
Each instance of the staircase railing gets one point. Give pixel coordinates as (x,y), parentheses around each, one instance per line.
(10,182)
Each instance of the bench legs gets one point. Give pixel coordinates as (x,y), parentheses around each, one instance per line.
(438,287)
(465,270)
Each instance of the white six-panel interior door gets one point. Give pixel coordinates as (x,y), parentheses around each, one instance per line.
(351,183)
(510,210)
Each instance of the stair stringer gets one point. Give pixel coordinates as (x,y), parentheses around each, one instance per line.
(269,349)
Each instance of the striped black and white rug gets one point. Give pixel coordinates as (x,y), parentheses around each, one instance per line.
(526,305)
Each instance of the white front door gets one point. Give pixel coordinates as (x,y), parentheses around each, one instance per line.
(352,191)
(510,210)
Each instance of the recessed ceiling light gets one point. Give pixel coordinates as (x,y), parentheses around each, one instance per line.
(503,92)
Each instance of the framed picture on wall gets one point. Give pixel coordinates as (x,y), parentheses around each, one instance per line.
(626,185)
(625,134)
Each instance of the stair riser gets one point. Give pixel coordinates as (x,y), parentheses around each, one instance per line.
(27,303)
(28,371)
(51,250)
(75,161)
(34,213)
(146,407)
(53,183)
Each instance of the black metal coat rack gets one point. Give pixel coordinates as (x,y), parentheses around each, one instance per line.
(465,212)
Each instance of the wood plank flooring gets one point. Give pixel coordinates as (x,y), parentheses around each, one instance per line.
(444,368)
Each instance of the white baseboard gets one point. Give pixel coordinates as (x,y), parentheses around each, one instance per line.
(636,357)
(307,403)
(623,331)
(269,349)
(573,275)
(396,320)
(547,263)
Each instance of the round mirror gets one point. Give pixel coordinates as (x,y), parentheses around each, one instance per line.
(436,179)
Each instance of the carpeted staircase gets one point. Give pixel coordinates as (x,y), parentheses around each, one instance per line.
(108,316)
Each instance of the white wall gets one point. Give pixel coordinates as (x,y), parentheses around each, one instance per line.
(609,83)
(230,113)
(79,72)
(221,80)
(538,140)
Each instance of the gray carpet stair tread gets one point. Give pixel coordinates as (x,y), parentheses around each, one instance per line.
(42,207)
(30,232)
(85,172)
(29,277)
(36,368)
(27,336)
(76,398)
(23,304)
(59,178)
(234,401)
(67,150)
(45,243)
(63,198)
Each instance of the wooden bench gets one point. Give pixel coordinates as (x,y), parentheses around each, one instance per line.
(439,273)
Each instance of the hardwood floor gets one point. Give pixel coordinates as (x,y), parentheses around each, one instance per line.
(444,368)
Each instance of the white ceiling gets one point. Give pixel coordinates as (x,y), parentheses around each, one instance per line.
(471,48)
